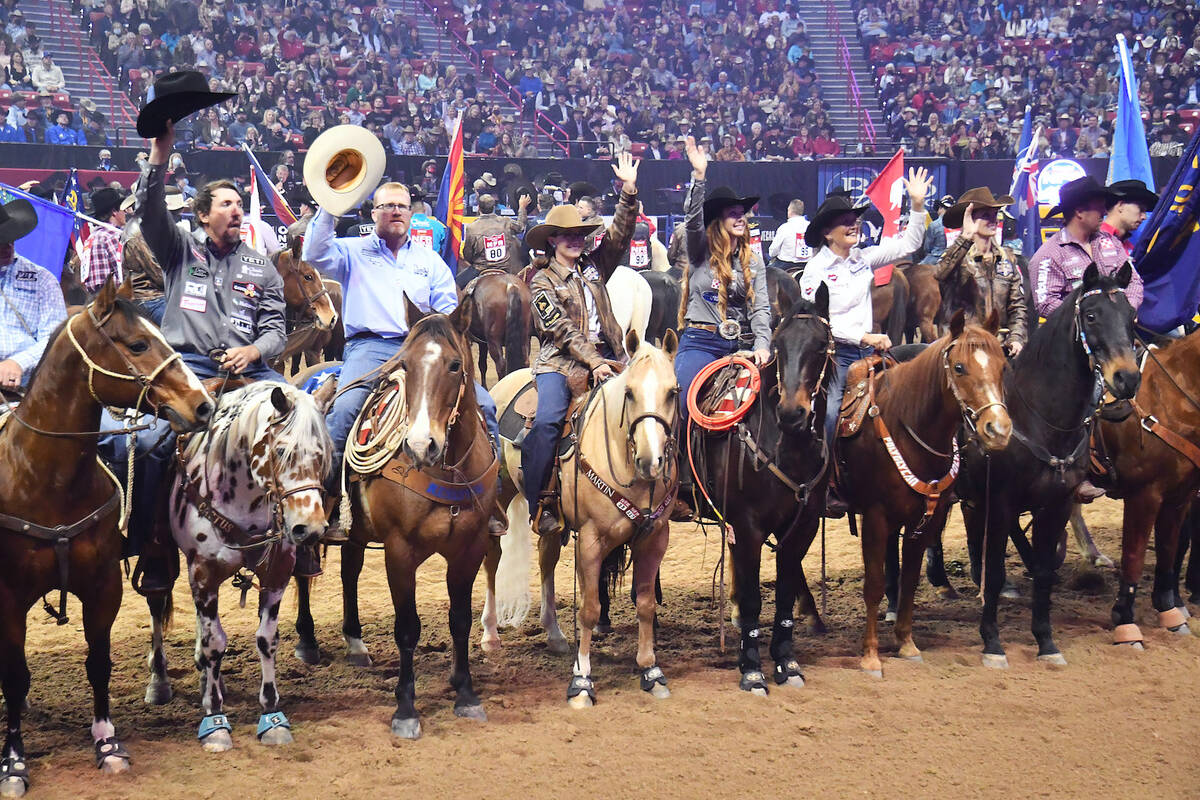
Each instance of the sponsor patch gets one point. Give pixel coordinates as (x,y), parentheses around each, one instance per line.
(251,272)
(195,289)
(218,281)
(1004,270)
(366,228)
(255,260)
(198,304)
(26,274)
(548,312)
(243,324)
(591,273)
(248,289)
(198,272)
(710,296)
(423,237)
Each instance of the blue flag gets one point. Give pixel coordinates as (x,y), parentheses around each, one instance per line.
(1168,250)
(1023,189)
(47,245)
(1130,157)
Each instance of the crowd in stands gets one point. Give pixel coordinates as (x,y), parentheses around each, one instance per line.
(955,76)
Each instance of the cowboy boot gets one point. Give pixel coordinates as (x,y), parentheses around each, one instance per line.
(334,533)
(547,522)
(498,522)
(835,506)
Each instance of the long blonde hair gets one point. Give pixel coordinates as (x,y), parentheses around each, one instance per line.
(721,248)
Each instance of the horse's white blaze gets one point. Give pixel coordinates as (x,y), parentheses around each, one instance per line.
(193,382)
(653,442)
(421,429)
(984,360)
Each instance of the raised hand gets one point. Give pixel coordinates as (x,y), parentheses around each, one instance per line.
(160,147)
(918,184)
(697,158)
(969,225)
(626,170)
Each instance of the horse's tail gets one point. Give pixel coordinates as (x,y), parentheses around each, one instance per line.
(613,568)
(516,561)
(516,332)
(898,316)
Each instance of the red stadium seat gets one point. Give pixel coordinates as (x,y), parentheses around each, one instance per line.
(5,96)
(1187,127)
(342,85)
(637,148)
(343,72)
(1190,114)
(392,100)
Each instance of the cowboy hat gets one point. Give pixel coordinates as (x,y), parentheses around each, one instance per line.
(343,166)
(1131,191)
(981,197)
(722,198)
(560,220)
(105,201)
(174,96)
(488,178)
(1075,193)
(834,206)
(17,218)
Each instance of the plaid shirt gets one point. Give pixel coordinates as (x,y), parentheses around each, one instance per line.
(38,302)
(101,258)
(1058,266)
(413,148)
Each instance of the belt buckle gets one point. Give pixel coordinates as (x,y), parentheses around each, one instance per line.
(729,329)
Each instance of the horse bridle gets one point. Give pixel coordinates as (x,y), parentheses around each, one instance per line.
(134,374)
(1081,335)
(310,300)
(830,355)
(970,415)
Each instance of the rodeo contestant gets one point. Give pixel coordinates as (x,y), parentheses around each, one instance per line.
(1128,204)
(491,241)
(574,321)
(31,302)
(377,272)
(788,249)
(977,275)
(1058,265)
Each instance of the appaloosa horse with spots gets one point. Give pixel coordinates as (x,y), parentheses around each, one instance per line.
(246,493)
(59,506)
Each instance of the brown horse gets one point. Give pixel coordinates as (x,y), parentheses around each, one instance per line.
(59,507)
(1152,460)
(314,327)
(889,304)
(501,321)
(924,301)
(431,491)
(896,469)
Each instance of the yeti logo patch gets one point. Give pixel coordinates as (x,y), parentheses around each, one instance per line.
(547,311)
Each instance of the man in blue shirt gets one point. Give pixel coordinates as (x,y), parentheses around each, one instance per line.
(62,132)
(424,229)
(31,302)
(377,272)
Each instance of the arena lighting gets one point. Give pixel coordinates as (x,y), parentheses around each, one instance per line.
(1053,176)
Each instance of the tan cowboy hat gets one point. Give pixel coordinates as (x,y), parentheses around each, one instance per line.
(560,220)
(981,197)
(343,167)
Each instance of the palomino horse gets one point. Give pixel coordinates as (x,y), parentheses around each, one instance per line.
(768,476)
(1053,389)
(618,484)
(313,304)
(59,507)
(898,459)
(501,320)
(428,487)
(1152,460)
(247,492)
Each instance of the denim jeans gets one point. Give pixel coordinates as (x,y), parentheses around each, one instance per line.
(537,450)
(697,349)
(845,355)
(154,308)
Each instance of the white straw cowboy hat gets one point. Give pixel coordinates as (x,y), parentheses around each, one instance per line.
(343,167)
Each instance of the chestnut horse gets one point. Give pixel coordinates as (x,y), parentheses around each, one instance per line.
(442,445)
(59,507)
(501,320)
(924,302)
(898,467)
(313,305)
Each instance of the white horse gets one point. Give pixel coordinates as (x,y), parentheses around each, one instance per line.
(247,492)
(631,299)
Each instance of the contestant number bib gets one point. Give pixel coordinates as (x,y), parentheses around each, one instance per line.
(639,254)
(494,249)
(803,251)
(423,237)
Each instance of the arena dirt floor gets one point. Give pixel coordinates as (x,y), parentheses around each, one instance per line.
(1114,723)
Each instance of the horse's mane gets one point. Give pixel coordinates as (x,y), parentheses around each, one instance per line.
(126,308)
(914,386)
(240,419)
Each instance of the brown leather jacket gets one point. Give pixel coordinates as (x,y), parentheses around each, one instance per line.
(998,285)
(490,242)
(559,308)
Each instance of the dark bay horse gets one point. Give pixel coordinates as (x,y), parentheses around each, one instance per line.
(1053,390)
(898,466)
(313,310)
(59,507)
(501,320)
(768,477)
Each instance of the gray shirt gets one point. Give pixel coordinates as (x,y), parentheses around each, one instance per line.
(702,287)
(214,300)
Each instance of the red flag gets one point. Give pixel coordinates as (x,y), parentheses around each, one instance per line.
(886,192)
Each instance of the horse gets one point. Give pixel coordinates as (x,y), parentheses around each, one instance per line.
(664,305)
(1053,388)
(1151,460)
(924,302)
(897,455)
(768,476)
(631,300)
(889,303)
(781,285)
(618,484)
(60,508)
(429,487)
(501,320)
(314,329)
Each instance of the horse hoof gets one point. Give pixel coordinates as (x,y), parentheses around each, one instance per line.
(1181,630)
(1010,591)
(995,660)
(558,645)
(406,728)
(1053,659)
(659,691)
(358,659)
(580,701)
(276,736)
(602,629)
(890,616)
(474,712)
(159,693)
(308,654)
(874,673)
(490,645)
(1138,646)
(1102,560)
(915,658)
(12,787)
(946,592)
(217,742)
(114,765)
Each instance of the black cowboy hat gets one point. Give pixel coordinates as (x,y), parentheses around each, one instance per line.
(1131,191)
(105,201)
(1075,193)
(981,197)
(580,189)
(17,219)
(722,198)
(833,207)
(173,97)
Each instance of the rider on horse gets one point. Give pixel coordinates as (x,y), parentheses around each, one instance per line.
(978,275)
(378,271)
(490,241)
(574,321)
(32,304)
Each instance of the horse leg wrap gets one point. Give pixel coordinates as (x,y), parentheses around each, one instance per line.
(1171,619)
(14,766)
(581,685)
(270,721)
(787,669)
(1127,634)
(754,679)
(213,723)
(110,747)
(651,676)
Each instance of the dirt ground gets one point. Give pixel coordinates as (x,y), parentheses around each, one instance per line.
(1112,724)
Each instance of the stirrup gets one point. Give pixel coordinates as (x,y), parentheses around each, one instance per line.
(270,721)
(213,723)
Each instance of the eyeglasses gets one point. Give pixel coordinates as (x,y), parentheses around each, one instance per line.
(392,207)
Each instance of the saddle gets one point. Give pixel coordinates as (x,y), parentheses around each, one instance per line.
(859,396)
(518,416)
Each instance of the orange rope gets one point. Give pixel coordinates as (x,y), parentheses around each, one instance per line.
(722,421)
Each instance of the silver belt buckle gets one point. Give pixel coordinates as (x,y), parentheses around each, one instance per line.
(729,329)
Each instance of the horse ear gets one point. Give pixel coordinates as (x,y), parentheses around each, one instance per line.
(822,300)
(126,290)
(280,400)
(957,323)
(1124,275)
(992,323)
(412,313)
(632,342)
(670,343)
(460,317)
(297,246)
(1091,277)
(784,301)
(102,304)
